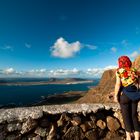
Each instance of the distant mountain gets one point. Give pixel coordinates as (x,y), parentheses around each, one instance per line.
(66,79)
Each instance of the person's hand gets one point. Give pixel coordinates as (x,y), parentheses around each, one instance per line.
(115,98)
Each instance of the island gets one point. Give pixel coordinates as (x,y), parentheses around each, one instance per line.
(45,82)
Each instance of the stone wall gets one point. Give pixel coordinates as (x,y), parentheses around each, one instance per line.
(62,122)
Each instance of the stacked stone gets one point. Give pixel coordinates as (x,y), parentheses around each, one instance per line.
(102,124)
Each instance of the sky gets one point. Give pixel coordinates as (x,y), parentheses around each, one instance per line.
(66,38)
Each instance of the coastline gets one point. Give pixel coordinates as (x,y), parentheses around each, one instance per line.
(45,83)
(64,98)
(57,99)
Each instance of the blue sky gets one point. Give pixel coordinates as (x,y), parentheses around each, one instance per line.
(66,37)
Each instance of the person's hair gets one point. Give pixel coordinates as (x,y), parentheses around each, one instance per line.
(124,61)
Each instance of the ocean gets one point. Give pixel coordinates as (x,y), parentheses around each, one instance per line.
(29,94)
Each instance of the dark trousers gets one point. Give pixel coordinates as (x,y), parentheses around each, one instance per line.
(129,113)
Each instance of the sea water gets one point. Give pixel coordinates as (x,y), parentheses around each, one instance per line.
(22,95)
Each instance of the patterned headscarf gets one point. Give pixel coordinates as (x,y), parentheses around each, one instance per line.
(124,61)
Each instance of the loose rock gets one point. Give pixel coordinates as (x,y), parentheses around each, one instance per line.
(101,124)
(74,133)
(28,125)
(112,123)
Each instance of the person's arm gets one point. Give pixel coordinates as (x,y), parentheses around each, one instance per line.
(117,88)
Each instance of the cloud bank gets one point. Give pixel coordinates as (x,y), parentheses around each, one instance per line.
(91,72)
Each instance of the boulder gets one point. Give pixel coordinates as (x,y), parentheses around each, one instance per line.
(13,137)
(88,125)
(112,123)
(44,122)
(14,126)
(101,124)
(52,133)
(74,133)
(28,125)
(76,120)
(113,136)
(118,115)
(91,135)
(40,131)
(63,119)
(35,138)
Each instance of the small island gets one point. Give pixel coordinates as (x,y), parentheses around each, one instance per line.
(45,82)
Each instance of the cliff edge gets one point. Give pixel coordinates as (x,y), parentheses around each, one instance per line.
(101,93)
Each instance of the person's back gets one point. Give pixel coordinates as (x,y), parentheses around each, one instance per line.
(128,76)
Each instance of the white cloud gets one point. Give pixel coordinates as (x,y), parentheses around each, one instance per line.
(125,42)
(64,72)
(28,45)
(114,49)
(110,67)
(9,71)
(50,73)
(36,72)
(92,47)
(43,70)
(7,47)
(63,49)
(134,54)
(94,72)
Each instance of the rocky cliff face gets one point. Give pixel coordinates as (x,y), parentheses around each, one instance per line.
(136,63)
(100,93)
